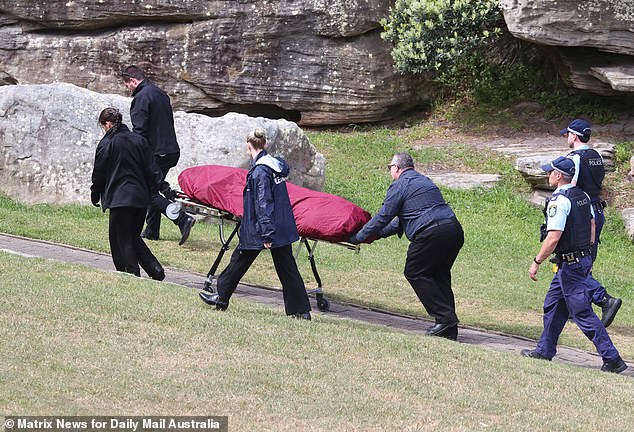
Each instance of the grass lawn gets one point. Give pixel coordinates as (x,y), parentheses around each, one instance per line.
(490,277)
(78,341)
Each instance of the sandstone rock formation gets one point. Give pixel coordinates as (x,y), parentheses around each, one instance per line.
(48,136)
(592,40)
(321,61)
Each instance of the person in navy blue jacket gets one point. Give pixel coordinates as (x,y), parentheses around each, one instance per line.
(267,223)
(152,117)
(414,205)
(589,174)
(123,178)
(570,236)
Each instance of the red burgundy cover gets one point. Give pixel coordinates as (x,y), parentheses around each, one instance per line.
(318,215)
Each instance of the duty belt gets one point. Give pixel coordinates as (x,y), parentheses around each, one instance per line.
(573,257)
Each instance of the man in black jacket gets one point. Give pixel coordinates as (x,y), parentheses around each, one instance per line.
(152,117)
(415,206)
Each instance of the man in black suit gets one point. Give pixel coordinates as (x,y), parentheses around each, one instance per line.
(152,117)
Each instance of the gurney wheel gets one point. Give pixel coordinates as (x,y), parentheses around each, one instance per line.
(208,286)
(323,304)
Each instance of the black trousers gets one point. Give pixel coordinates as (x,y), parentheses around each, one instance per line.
(293,289)
(126,245)
(159,203)
(428,269)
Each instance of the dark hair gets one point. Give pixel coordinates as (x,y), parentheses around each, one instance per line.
(132,72)
(585,138)
(257,139)
(111,115)
(403,160)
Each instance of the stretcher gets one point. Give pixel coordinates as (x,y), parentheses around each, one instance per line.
(219,212)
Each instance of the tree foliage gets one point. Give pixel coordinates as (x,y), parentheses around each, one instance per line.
(437,35)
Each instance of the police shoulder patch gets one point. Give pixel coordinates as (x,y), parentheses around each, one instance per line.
(552,210)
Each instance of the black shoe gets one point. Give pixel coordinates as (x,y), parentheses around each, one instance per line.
(451,333)
(145,235)
(301,315)
(157,273)
(615,366)
(534,354)
(609,307)
(185,225)
(439,328)
(213,299)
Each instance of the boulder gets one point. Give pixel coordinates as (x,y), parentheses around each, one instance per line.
(591,40)
(530,166)
(48,136)
(314,61)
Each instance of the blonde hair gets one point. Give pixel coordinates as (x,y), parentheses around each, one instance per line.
(257,139)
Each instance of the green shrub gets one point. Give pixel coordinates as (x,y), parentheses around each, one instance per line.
(437,35)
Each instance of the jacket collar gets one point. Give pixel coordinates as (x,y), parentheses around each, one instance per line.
(121,128)
(140,86)
(407,173)
(258,157)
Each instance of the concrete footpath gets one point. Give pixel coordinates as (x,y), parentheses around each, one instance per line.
(467,335)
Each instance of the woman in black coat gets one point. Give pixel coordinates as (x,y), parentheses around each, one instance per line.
(122,180)
(267,223)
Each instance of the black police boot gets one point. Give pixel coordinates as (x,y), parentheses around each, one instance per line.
(615,366)
(609,307)
(185,224)
(213,299)
(534,354)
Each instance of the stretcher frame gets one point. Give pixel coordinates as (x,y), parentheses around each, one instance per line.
(195,207)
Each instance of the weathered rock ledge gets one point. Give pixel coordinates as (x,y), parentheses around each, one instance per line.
(48,136)
(314,61)
(592,40)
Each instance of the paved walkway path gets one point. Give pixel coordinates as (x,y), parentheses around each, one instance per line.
(468,335)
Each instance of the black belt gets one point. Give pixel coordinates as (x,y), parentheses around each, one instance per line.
(435,224)
(574,256)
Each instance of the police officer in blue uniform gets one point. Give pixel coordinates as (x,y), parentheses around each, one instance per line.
(589,174)
(570,226)
(415,206)
(267,223)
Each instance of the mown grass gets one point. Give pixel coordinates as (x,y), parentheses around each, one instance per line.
(490,277)
(78,341)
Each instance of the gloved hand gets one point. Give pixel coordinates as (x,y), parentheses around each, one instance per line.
(354,240)
(94,198)
(164,188)
(170,194)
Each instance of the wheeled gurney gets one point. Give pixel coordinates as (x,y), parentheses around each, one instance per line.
(216,192)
